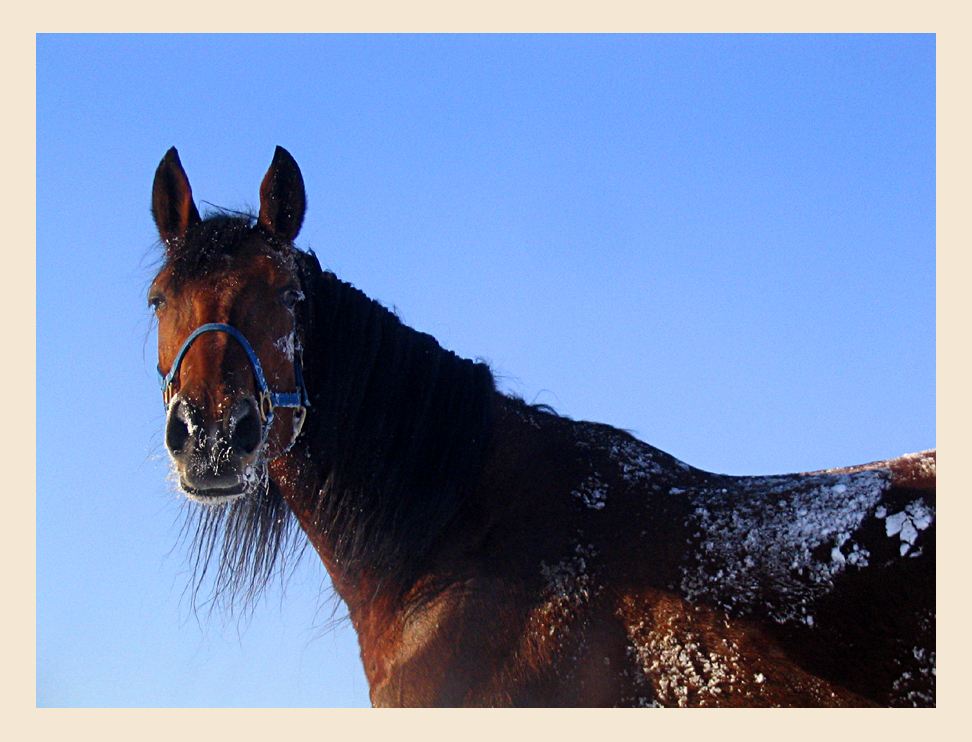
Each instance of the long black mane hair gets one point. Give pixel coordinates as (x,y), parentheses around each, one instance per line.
(398,429)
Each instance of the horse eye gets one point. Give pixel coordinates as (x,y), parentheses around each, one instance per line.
(290,297)
(156,301)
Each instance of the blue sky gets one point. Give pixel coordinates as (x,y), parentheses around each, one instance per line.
(725,244)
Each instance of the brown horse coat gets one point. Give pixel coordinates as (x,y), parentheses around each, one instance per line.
(494,553)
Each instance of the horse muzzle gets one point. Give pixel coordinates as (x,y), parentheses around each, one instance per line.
(216,461)
(240,433)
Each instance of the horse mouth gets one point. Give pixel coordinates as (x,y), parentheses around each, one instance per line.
(214,495)
(203,483)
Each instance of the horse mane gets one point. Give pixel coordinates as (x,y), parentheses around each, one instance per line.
(249,541)
(398,429)
(400,425)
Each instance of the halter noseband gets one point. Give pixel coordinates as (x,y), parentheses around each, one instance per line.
(268,400)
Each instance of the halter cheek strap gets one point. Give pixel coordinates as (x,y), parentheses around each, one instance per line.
(268,400)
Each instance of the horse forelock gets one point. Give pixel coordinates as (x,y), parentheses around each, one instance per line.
(207,244)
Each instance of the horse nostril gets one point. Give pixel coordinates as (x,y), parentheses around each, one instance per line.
(247,431)
(176,430)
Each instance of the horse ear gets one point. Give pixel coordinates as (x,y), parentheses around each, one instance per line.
(282,200)
(172,206)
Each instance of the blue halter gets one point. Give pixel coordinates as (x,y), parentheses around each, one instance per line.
(268,400)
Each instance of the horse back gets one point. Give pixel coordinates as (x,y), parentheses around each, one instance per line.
(809,589)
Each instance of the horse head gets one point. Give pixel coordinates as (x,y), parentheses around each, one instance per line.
(227,299)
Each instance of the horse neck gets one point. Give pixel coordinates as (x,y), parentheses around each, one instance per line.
(397,433)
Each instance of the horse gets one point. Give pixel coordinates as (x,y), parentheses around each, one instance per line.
(491,552)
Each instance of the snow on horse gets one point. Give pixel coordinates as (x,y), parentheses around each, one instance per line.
(494,553)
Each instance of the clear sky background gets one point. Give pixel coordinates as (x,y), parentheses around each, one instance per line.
(725,244)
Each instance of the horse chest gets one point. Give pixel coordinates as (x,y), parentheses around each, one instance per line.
(488,645)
